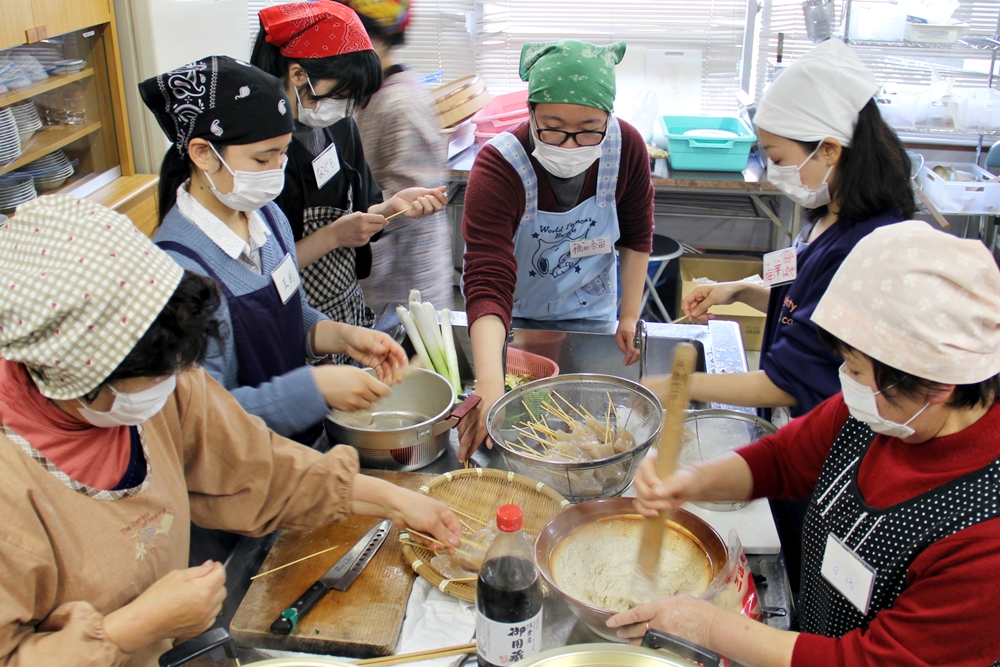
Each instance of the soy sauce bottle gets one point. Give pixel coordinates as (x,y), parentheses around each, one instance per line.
(508,596)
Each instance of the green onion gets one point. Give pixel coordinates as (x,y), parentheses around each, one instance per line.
(411,331)
(449,351)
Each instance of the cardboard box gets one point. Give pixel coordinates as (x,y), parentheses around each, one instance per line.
(720,269)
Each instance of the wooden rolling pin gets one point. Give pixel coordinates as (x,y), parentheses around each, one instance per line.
(668,450)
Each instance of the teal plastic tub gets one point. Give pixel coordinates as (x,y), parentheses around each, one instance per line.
(688,153)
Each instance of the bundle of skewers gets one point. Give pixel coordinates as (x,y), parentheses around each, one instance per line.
(430,333)
(585,438)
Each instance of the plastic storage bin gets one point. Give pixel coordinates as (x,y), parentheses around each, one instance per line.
(694,153)
(961,197)
(979,109)
(899,109)
(502,113)
(937,112)
(934,33)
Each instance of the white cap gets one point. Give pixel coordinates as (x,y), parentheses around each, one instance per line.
(818,96)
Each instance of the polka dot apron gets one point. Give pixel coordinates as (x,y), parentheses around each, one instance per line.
(887,539)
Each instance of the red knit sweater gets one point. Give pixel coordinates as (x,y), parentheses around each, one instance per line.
(946,615)
(494,204)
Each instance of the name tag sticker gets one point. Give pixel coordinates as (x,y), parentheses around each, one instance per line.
(326,165)
(599,245)
(780,267)
(844,570)
(286,278)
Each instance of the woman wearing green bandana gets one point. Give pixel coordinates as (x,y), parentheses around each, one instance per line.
(547,205)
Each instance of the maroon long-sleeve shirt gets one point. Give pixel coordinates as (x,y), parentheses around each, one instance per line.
(494,204)
(944,616)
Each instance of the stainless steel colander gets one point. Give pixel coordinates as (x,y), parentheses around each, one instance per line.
(636,409)
(711,433)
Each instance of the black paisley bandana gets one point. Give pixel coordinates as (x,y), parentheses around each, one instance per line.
(218,98)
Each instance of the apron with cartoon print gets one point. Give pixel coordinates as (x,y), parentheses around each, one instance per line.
(566,267)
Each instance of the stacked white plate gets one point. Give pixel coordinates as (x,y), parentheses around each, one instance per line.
(15,189)
(10,141)
(49,172)
(27,119)
(69,66)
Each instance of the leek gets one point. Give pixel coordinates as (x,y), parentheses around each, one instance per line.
(411,331)
(431,334)
(449,350)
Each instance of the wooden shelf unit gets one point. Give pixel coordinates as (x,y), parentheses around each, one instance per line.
(54,81)
(49,139)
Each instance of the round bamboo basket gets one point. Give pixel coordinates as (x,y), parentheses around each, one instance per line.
(475,494)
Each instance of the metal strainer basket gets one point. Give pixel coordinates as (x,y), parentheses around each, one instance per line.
(636,409)
(712,433)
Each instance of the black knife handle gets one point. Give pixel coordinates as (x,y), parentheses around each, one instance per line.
(290,618)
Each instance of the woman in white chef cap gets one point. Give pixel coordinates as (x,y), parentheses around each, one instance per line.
(902,537)
(829,151)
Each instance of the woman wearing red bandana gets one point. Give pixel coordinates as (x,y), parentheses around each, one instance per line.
(325,60)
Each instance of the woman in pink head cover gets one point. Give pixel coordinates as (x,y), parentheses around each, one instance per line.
(901,545)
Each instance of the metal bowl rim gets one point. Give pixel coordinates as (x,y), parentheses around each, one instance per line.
(719,413)
(430,421)
(550,578)
(511,395)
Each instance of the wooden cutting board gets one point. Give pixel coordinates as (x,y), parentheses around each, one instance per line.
(363,621)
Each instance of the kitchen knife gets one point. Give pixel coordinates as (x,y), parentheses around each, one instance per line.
(338,577)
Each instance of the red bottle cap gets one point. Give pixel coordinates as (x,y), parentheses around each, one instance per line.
(510,518)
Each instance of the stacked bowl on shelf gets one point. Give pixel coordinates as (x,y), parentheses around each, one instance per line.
(49,172)
(10,141)
(27,119)
(15,189)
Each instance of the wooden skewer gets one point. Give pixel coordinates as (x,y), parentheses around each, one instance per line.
(529,411)
(607,425)
(470,543)
(462,649)
(469,516)
(282,567)
(613,408)
(392,217)
(459,580)
(420,546)
(571,406)
(681,319)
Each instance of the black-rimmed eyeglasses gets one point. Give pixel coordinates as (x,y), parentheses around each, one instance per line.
(555,137)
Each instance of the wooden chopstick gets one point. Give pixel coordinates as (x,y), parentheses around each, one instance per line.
(282,567)
(461,649)
(390,218)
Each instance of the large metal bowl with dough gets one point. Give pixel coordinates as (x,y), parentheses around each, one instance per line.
(588,554)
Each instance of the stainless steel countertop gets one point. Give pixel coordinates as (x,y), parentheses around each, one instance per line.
(723,353)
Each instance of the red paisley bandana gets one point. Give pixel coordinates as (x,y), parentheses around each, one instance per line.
(314,29)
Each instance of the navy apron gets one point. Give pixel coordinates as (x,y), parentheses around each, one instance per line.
(888,539)
(267,333)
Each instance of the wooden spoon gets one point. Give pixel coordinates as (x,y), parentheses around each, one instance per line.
(668,451)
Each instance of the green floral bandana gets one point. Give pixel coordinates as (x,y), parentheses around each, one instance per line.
(571,72)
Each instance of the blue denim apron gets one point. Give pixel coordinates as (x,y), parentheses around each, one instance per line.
(552,283)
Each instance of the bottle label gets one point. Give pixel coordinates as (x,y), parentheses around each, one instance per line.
(507,643)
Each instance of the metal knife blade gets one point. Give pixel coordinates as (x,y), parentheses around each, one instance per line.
(338,577)
(346,570)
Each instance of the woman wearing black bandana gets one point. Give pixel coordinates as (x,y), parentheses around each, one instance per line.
(326,62)
(230,124)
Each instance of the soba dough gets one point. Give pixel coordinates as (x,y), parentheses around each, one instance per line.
(596,564)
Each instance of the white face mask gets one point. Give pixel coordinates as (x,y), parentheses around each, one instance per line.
(565,162)
(861,402)
(327,112)
(131,409)
(251,189)
(788,179)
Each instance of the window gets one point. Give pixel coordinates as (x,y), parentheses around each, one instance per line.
(908,65)
(688,50)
